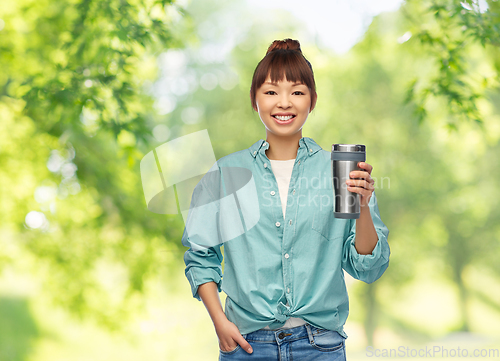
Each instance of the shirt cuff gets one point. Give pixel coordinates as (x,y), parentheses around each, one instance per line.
(198,276)
(378,257)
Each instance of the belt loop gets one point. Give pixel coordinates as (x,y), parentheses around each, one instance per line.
(309,334)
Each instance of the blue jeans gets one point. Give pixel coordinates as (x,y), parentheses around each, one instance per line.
(303,343)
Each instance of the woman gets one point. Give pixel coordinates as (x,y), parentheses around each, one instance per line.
(283,275)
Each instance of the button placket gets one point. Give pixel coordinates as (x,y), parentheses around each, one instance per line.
(288,232)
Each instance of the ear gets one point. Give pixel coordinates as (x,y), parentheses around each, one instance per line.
(313,103)
(254,107)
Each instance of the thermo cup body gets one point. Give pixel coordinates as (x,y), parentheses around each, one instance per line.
(345,158)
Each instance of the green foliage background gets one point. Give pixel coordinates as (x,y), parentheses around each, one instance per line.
(85,83)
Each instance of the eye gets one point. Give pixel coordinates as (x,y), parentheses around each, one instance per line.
(270,91)
(300,93)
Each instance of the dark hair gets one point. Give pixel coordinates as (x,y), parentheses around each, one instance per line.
(283,58)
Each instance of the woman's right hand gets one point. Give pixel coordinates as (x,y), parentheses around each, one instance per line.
(230,337)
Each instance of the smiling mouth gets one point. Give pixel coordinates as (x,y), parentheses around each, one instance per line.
(282,118)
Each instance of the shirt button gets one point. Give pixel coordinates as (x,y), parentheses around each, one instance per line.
(287,255)
(254,152)
(265,165)
(310,150)
(299,161)
(273,193)
(278,224)
(264,144)
(288,290)
(294,191)
(290,222)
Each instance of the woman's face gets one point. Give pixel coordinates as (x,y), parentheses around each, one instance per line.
(283,107)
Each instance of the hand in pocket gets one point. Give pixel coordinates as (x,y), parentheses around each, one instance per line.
(230,337)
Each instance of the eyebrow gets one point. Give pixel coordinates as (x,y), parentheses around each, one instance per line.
(276,84)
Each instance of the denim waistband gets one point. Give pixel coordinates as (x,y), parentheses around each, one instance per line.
(285,335)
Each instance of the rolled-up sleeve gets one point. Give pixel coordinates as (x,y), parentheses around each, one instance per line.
(203,258)
(367,267)
(203,266)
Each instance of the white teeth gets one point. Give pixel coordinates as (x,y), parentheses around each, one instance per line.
(280,117)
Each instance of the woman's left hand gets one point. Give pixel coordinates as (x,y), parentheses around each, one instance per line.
(364,184)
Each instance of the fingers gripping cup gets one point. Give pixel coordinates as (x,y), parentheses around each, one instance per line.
(345,158)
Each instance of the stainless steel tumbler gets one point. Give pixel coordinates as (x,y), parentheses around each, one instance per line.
(345,158)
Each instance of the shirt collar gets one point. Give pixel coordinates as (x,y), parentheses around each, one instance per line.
(310,146)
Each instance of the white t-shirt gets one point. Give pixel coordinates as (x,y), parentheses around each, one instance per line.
(282,170)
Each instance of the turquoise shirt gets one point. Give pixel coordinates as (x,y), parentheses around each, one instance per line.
(269,260)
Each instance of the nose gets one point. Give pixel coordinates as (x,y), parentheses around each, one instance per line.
(284,101)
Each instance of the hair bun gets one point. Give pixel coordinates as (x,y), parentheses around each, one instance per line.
(287,44)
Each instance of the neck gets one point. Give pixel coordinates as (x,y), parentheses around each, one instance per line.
(283,148)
